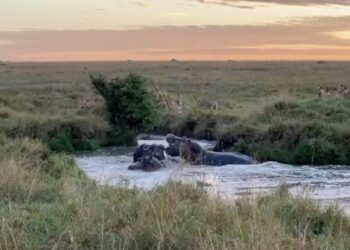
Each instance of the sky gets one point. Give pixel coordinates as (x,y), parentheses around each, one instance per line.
(108,30)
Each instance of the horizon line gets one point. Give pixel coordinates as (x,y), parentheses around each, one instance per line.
(179,60)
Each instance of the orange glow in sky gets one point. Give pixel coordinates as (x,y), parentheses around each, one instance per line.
(93,30)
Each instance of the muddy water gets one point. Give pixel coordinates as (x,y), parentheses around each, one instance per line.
(324,184)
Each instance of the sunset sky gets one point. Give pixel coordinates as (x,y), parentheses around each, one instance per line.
(93,30)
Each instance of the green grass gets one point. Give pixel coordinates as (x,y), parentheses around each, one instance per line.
(48,203)
(310,131)
(269,110)
(258,101)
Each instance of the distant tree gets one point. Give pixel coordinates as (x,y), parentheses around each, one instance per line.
(129,103)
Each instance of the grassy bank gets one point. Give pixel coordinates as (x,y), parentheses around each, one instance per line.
(47,203)
(54,114)
(270,110)
(285,129)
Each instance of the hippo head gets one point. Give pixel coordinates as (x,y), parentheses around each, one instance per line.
(136,166)
(158,151)
(149,150)
(147,163)
(174,142)
(190,151)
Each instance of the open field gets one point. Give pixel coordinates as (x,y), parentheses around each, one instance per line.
(239,86)
(267,109)
(270,110)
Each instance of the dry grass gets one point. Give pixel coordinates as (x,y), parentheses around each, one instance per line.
(59,88)
(56,103)
(49,204)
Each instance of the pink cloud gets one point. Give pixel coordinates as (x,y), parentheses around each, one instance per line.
(282,2)
(309,39)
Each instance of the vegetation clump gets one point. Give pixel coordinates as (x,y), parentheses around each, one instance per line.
(130,106)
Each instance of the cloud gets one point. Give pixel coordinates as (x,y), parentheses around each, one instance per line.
(314,38)
(341,34)
(4,42)
(238,3)
(140,4)
(173,14)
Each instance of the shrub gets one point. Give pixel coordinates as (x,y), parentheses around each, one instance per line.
(129,104)
(199,125)
(61,143)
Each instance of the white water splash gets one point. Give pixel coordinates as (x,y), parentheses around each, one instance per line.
(327,185)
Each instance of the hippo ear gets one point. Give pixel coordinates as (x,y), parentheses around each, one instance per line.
(184,138)
(169,138)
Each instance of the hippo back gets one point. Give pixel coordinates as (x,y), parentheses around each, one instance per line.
(221,159)
(154,150)
(147,163)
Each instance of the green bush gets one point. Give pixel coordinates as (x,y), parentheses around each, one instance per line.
(121,137)
(61,143)
(199,125)
(129,104)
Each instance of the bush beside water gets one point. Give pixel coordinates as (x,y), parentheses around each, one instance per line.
(130,106)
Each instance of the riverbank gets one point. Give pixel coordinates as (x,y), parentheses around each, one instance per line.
(48,203)
(288,130)
(270,110)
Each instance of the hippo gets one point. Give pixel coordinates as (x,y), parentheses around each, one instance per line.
(154,150)
(147,163)
(174,142)
(196,155)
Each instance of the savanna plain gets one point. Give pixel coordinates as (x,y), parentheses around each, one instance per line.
(270,110)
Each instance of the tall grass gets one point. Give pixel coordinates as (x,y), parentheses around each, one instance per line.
(262,112)
(48,203)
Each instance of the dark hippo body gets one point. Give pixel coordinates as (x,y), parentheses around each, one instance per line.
(220,159)
(174,142)
(196,155)
(148,157)
(147,163)
(153,150)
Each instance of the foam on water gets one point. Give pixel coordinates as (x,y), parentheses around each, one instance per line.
(326,185)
